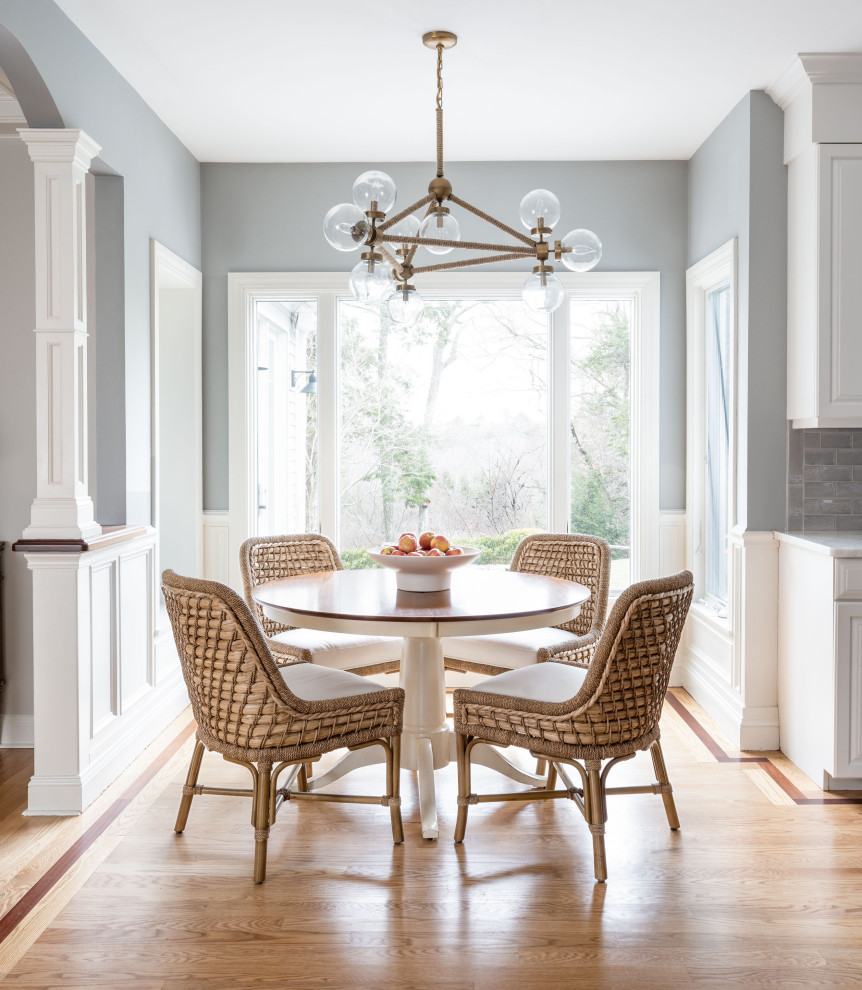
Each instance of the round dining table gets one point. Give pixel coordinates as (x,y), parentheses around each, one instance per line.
(480,602)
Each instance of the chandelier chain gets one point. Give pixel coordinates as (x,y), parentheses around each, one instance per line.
(439,111)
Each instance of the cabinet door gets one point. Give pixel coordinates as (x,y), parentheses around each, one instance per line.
(839,384)
(848,689)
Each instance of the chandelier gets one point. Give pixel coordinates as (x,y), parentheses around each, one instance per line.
(390,243)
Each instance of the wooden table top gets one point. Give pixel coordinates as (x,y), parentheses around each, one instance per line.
(371,594)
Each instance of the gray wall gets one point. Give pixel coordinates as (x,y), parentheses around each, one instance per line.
(63,81)
(269,218)
(738,188)
(17,418)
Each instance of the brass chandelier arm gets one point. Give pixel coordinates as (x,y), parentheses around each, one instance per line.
(468,262)
(465,245)
(396,264)
(411,254)
(405,213)
(496,223)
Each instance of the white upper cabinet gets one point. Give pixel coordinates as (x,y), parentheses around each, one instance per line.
(822,99)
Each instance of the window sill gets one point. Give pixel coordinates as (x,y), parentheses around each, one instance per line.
(707,615)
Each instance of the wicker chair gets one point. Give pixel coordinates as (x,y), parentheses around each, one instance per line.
(585,559)
(575,717)
(267,558)
(267,718)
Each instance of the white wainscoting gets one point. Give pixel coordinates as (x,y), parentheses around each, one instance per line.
(105,684)
(730,665)
(671,559)
(217,544)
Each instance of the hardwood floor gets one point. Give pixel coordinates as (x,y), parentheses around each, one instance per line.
(758,889)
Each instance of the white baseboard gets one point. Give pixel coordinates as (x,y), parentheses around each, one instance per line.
(16,732)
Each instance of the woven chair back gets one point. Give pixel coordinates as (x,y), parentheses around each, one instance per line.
(628,678)
(240,701)
(268,558)
(573,557)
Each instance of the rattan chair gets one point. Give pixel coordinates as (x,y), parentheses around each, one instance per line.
(580,718)
(572,556)
(267,718)
(267,558)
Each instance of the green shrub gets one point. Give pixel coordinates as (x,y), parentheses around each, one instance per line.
(499,548)
(355,560)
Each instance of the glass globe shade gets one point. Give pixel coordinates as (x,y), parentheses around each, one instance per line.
(405,312)
(543,297)
(370,286)
(586,250)
(408,227)
(444,227)
(374,187)
(345,227)
(540,203)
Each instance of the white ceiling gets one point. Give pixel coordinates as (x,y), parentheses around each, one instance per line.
(346,80)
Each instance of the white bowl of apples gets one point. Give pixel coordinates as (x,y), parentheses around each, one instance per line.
(423,563)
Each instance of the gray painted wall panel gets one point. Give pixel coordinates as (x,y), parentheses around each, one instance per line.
(738,188)
(269,218)
(17,416)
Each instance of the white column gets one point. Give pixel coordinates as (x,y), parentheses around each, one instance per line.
(62,509)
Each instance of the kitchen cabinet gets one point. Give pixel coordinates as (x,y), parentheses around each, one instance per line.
(824,316)
(820,656)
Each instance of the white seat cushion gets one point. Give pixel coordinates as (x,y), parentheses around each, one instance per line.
(549,682)
(510,650)
(342,651)
(313,683)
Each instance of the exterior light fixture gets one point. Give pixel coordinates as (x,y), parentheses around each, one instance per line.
(311,385)
(389,243)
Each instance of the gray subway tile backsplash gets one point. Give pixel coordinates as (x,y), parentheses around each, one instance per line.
(824,474)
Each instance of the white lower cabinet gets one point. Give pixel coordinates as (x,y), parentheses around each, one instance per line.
(820,657)
(848,689)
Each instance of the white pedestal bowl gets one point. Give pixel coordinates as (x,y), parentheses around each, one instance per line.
(424,573)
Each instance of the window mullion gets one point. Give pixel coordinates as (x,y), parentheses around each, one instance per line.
(327,412)
(559,379)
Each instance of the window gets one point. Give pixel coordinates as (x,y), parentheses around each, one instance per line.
(484,421)
(711,389)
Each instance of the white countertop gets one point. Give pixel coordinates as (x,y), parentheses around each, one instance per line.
(833,544)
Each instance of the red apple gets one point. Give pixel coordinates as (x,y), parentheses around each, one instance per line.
(440,543)
(435,553)
(407,543)
(387,549)
(398,553)
(425,540)
(415,553)
(454,552)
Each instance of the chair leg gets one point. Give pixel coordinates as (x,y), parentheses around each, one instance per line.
(188,789)
(302,779)
(666,788)
(595,806)
(393,787)
(552,777)
(261,819)
(464,785)
(541,767)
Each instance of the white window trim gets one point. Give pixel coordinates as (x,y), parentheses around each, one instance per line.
(641,289)
(715,270)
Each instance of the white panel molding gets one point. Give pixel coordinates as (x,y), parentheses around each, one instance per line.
(86,628)
(216,543)
(671,540)
(732,670)
(16,732)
